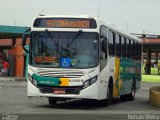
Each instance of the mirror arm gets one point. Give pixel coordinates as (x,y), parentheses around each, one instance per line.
(24,39)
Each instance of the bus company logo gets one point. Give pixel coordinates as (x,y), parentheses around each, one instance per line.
(47,82)
(59,82)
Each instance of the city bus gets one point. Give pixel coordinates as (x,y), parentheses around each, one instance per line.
(81,57)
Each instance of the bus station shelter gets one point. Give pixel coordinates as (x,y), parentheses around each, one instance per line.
(11,48)
(151,52)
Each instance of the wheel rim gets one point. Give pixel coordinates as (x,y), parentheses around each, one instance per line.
(133,91)
(108,94)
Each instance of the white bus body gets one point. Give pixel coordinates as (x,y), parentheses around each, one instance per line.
(110,75)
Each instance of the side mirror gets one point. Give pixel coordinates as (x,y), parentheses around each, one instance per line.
(24,37)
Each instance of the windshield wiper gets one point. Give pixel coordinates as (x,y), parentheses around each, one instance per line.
(52,36)
(74,38)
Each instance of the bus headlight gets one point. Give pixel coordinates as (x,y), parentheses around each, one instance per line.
(89,82)
(85,84)
(93,80)
(32,80)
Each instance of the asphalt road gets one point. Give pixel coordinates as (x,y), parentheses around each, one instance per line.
(14,101)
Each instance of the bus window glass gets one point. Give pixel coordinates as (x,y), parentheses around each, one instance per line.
(136,50)
(117,43)
(103,32)
(139,52)
(132,49)
(123,45)
(111,43)
(64,49)
(128,48)
(103,54)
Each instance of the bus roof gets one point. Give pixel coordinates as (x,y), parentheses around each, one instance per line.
(114,28)
(64,16)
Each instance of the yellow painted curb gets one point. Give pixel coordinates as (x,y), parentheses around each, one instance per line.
(154,97)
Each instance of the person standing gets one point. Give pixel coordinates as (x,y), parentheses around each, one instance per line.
(5,69)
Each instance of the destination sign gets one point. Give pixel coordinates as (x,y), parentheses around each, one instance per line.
(64,23)
(45,59)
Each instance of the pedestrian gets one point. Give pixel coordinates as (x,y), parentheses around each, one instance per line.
(145,69)
(5,69)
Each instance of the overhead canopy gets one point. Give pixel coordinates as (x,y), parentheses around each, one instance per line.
(152,44)
(11,31)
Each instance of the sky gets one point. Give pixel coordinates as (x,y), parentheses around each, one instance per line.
(132,16)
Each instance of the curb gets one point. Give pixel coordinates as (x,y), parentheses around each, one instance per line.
(12,79)
(7,78)
(20,79)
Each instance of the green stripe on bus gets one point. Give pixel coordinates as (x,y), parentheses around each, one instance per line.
(46,80)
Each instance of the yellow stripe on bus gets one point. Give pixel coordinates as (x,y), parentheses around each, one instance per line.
(116,77)
(64,81)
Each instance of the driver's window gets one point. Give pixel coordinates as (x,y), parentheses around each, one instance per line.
(103,53)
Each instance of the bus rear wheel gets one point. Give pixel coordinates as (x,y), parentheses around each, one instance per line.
(124,97)
(52,101)
(131,96)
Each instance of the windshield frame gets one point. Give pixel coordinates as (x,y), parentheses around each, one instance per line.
(41,66)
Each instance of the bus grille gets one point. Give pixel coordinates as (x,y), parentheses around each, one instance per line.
(68,89)
(60,73)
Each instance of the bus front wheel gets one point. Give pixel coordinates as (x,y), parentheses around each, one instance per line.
(52,101)
(109,98)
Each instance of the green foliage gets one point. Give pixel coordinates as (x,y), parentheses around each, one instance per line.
(151,78)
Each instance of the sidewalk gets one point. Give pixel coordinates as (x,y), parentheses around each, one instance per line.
(12,79)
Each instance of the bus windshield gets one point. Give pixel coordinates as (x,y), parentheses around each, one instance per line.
(64,49)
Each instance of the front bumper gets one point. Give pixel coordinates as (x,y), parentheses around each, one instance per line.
(90,92)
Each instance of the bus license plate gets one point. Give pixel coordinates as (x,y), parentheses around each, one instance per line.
(59,91)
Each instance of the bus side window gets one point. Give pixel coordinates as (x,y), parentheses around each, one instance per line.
(139,52)
(111,43)
(132,50)
(123,46)
(128,44)
(103,52)
(136,50)
(118,45)
(103,36)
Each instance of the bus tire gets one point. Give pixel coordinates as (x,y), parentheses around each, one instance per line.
(110,94)
(52,101)
(131,96)
(108,100)
(124,97)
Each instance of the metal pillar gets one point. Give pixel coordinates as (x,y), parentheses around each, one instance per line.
(26,62)
(148,62)
(156,58)
(158,64)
